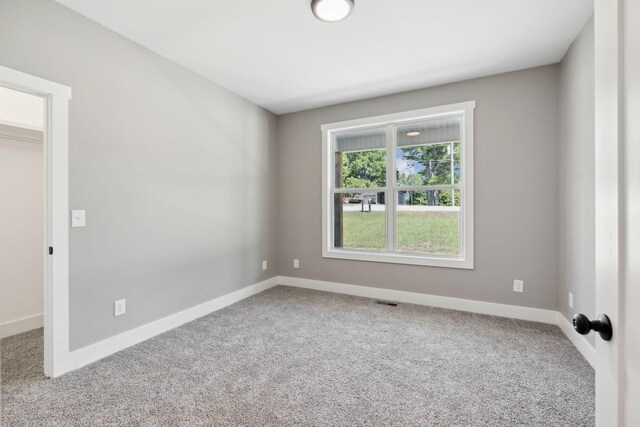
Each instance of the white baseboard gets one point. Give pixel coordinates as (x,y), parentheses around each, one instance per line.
(494,309)
(473,306)
(579,341)
(97,351)
(19,326)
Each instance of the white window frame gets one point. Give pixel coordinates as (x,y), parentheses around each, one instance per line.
(465,260)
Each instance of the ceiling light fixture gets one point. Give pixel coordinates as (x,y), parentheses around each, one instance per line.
(414,133)
(332,10)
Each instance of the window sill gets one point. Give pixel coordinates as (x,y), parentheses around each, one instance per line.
(423,260)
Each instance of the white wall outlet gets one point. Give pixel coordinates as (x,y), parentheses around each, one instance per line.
(518,286)
(296,263)
(120,307)
(571,299)
(264,265)
(78,219)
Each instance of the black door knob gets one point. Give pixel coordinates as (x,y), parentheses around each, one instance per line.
(583,325)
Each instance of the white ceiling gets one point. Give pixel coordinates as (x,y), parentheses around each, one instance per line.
(278,55)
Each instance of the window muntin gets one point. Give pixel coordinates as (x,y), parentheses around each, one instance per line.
(421,162)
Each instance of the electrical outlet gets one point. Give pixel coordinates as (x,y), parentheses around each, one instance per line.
(296,263)
(570,299)
(264,265)
(518,286)
(120,307)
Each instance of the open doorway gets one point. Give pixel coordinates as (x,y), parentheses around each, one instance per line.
(22,212)
(35,130)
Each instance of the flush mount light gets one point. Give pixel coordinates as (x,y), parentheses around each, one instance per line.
(414,133)
(331,10)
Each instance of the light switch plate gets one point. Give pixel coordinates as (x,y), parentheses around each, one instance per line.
(296,263)
(78,219)
(264,265)
(518,286)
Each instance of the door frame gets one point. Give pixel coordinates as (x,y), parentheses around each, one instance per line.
(56,217)
(617,100)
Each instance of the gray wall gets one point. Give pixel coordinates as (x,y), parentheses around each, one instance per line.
(577,178)
(187,191)
(177,174)
(516,181)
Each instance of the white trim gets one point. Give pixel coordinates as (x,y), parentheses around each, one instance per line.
(20,134)
(99,350)
(473,306)
(579,341)
(467,178)
(16,130)
(20,125)
(389,197)
(31,84)
(466,261)
(19,326)
(398,258)
(56,182)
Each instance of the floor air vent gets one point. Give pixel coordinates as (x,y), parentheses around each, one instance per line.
(392,304)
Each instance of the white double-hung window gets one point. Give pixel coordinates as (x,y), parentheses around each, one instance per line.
(399,188)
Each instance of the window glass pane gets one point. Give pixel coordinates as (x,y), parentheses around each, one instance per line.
(360,159)
(428,222)
(359,221)
(428,153)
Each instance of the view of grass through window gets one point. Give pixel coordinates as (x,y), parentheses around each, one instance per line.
(418,232)
(364,230)
(425,189)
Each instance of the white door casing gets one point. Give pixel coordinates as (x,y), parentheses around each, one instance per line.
(56,177)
